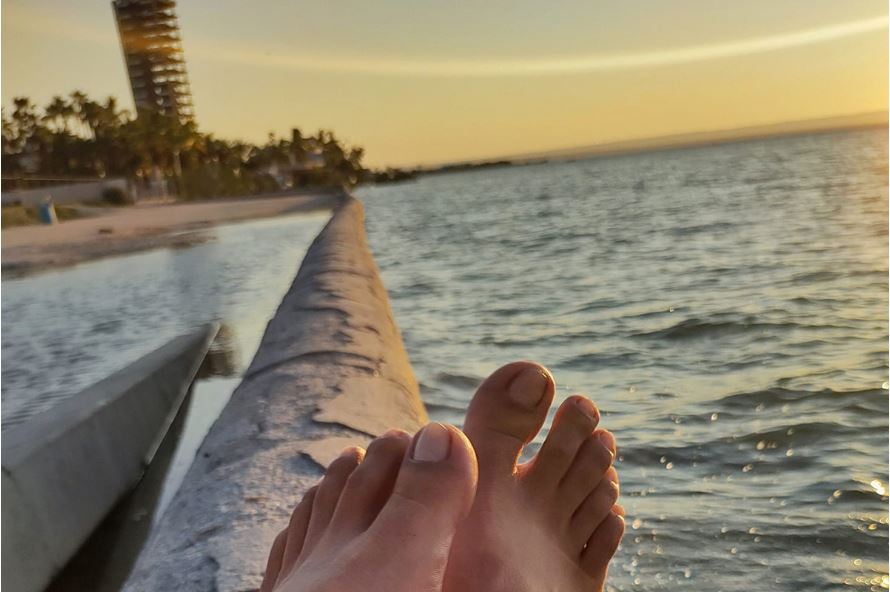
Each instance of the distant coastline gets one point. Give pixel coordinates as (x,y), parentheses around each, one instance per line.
(119,231)
(674,141)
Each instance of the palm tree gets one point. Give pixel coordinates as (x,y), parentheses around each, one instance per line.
(81,136)
(90,113)
(78,100)
(58,113)
(25,118)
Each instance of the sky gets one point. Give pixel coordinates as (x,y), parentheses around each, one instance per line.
(431,82)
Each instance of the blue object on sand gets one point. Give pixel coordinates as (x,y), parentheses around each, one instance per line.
(46,211)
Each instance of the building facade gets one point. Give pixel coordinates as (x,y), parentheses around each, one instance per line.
(149,33)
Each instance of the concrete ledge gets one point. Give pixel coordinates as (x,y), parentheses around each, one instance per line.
(331,371)
(64,469)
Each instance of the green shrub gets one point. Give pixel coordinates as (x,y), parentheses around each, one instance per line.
(116,196)
(18,215)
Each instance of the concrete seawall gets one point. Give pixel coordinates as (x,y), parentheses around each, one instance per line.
(64,469)
(331,371)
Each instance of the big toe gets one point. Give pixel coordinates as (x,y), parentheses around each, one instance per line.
(433,492)
(506,413)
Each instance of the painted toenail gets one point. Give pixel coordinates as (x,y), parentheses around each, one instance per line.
(588,408)
(433,444)
(529,387)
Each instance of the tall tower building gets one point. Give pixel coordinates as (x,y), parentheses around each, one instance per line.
(149,34)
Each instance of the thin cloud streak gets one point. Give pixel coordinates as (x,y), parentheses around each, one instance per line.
(233,54)
(533,67)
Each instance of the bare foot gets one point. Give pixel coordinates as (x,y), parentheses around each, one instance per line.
(549,524)
(379,521)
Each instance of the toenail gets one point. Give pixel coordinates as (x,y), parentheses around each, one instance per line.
(395,433)
(607,440)
(433,444)
(350,452)
(588,408)
(529,387)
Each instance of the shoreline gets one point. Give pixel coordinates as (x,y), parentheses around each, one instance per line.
(122,231)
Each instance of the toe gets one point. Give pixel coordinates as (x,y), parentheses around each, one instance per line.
(585,473)
(370,485)
(328,494)
(593,510)
(296,533)
(575,421)
(601,547)
(432,494)
(506,413)
(273,564)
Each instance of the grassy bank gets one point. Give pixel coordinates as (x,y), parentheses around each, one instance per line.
(11,216)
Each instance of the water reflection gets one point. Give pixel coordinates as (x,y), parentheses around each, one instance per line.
(69,328)
(223,357)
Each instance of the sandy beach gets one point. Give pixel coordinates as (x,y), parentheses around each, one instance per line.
(117,231)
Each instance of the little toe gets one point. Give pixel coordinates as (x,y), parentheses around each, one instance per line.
(506,413)
(433,492)
(370,485)
(575,421)
(295,534)
(328,494)
(585,473)
(273,564)
(593,511)
(601,548)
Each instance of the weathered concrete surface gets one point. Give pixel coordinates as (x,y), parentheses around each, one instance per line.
(330,358)
(64,469)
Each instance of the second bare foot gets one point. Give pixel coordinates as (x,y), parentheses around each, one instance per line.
(549,524)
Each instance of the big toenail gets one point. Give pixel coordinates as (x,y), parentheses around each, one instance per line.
(433,444)
(529,387)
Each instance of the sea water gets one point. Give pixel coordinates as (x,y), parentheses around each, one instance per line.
(725,306)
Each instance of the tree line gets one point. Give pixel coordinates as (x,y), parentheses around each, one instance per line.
(77,137)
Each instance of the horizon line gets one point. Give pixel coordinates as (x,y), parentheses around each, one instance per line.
(679,140)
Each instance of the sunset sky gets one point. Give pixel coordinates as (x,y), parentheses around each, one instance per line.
(427,82)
